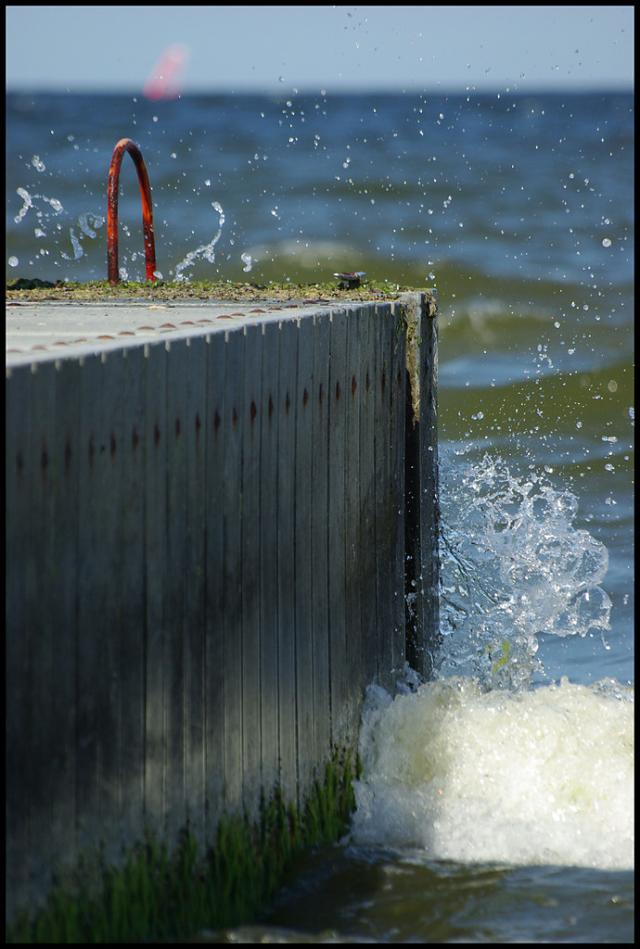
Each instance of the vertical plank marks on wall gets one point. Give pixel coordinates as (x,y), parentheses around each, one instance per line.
(195,434)
(155,439)
(429,508)
(232,568)
(398,390)
(369,648)
(61,591)
(114,391)
(385,515)
(216,424)
(268,409)
(337,397)
(40,590)
(97,719)
(353,398)
(251,421)
(19,464)
(287,723)
(127,579)
(319,406)
(305,547)
(177,372)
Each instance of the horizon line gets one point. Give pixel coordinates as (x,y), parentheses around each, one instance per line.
(356,89)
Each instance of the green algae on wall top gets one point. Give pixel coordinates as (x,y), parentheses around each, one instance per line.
(37,290)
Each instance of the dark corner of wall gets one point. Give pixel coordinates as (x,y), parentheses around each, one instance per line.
(421,484)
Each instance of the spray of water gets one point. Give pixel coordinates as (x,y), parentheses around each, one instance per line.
(206,250)
(477,765)
(514,565)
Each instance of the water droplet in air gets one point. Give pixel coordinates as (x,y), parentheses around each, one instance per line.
(13,261)
(26,197)
(247,260)
(37,163)
(55,204)
(606,242)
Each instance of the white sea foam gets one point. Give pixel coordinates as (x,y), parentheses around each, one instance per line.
(538,776)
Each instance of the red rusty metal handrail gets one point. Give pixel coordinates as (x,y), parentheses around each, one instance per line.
(127,145)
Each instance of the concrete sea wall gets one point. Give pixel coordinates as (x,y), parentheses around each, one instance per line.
(211,526)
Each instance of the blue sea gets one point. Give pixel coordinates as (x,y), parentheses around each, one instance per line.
(496,802)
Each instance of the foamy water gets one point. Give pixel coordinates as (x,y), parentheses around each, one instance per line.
(541,776)
(480,765)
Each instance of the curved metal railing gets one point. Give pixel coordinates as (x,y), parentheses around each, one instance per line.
(113,274)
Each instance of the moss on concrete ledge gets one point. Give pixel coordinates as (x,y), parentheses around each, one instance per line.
(99,290)
(154,896)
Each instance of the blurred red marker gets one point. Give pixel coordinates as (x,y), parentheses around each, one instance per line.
(163,79)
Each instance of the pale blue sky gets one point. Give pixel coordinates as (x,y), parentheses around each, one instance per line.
(334,47)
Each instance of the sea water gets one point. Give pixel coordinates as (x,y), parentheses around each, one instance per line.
(496,801)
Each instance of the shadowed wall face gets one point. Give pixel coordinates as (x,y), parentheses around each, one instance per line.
(206,547)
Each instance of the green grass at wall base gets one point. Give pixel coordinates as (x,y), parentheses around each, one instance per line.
(156,896)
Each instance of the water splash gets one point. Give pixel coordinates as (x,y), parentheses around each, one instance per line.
(55,204)
(28,203)
(77,247)
(206,250)
(539,776)
(477,765)
(83,221)
(514,566)
(87,231)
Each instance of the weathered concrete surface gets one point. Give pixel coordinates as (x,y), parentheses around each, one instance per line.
(208,511)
